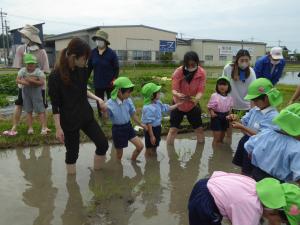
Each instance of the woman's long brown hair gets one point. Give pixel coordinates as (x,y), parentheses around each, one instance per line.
(77,47)
(236,69)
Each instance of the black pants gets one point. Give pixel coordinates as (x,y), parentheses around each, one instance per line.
(94,132)
(99,92)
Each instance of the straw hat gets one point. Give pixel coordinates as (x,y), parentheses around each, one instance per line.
(101,35)
(32,33)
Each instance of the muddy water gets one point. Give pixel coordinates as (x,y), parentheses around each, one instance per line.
(290,78)
(35,189)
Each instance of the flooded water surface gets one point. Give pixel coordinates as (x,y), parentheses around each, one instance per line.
(36,190)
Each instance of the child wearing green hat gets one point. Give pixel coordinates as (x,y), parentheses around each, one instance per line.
(120,110)
(276,152)
(220,106)
(152,116)
(265,98)
(243,201)
(32,79)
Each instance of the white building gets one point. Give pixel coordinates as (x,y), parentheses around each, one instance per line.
(131,43)
(218,52)
(139,43)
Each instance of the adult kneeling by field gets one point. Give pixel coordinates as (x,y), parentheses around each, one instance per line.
(71,109)
(188,84)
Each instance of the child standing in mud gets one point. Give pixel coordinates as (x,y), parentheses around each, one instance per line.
(219,107)
(275,152)
(152,116)
(120,110)
(265,97)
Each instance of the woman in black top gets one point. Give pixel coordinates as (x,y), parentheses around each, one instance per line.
(71,109)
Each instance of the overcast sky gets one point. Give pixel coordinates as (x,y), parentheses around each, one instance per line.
(258,20)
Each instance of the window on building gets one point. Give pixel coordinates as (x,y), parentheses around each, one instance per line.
(122,55)
(209,57)
(222,57)
(141,55)
(163,56)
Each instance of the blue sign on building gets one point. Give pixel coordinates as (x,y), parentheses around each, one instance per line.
(167,46)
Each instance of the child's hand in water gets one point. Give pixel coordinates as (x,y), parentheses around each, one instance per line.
(237,125)
(153,140)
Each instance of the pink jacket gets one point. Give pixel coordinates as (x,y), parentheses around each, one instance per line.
(197,85)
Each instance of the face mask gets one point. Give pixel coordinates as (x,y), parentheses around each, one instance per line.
(33,48)
(275,62)
(243,66)
(191,69)
(25,41)
(100,43)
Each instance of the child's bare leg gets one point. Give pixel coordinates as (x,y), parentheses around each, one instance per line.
(229,133)
(16,117)
(138,147)
(29,120)
(217,137)
(222,135)
(119,153)
(43,120)
(150,152)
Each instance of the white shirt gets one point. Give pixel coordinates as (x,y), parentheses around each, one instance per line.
(239,88)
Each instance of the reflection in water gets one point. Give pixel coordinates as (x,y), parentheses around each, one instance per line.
(75,212)
(184,163)
(221,159)
(151,191)
(154,191)
(113,190)
(40,194)
(290,78)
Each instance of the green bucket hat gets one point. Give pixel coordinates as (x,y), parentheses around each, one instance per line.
(289,119)
(101,35)
(274,195)
(224,78)
(121,82)
(29,59)
(262,86)
(148,90)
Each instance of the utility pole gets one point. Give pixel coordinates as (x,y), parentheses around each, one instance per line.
(279,41)
(2,15)
(7,40)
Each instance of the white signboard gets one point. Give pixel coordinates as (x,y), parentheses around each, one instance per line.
(232,50)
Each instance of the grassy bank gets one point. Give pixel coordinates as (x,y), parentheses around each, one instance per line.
(139,76)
